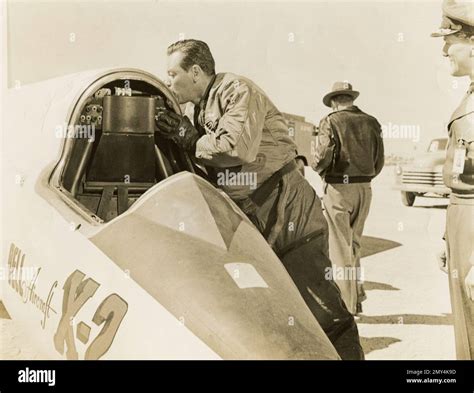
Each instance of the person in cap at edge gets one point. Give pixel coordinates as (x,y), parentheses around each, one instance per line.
(237,128)
(349,154)
(457,29)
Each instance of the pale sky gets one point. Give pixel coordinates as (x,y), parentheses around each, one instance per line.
(293,50)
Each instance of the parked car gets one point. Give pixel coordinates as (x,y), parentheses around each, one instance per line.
(424,176)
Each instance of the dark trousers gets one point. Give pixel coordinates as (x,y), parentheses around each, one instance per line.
(288,213)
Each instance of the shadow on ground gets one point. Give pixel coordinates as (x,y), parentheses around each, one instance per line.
(373,245)
(3,312)
(441,207)
(407,319)
(379,286)
(370,344)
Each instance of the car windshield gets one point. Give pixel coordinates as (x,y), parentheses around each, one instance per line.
(438,145)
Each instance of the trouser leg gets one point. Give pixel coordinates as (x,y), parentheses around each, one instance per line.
(338,215)
(358,218)
(307,262)
(309,269)
(460,257)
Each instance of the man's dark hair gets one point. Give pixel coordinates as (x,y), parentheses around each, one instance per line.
(195,52)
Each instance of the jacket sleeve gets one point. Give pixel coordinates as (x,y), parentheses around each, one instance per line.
(239,132)
(379,158)
(323,154)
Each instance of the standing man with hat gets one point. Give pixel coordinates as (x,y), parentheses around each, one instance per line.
(238,129)
(349,154)
(457,29)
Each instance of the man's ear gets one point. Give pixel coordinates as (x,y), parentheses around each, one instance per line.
(196,72)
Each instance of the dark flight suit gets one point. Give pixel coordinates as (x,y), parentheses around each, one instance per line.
(244,132)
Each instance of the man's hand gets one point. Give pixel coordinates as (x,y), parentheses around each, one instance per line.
(177,128)
(442,261)
(469,283)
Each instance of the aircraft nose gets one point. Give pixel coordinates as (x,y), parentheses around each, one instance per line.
(228,281)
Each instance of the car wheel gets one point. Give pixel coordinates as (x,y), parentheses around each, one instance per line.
(408,198)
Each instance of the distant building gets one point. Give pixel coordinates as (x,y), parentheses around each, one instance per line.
(304,134)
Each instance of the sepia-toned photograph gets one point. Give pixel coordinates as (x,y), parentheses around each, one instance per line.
(243,180)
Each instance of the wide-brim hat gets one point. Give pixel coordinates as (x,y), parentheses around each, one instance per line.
(340,88)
